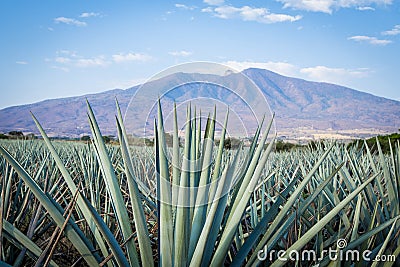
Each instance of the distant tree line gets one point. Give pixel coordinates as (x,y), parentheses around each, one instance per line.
(384,141)
(107,138)
(229,143)
(17,135)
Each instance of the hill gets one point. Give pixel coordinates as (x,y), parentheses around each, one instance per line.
(301,107)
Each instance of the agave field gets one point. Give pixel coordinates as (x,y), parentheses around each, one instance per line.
(196,203)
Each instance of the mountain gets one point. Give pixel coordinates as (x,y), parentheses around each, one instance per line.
(325,105)
(298,104)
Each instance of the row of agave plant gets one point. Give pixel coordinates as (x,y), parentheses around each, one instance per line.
(196,205)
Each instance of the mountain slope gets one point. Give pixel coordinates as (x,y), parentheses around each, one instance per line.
(324,105)
(296,103)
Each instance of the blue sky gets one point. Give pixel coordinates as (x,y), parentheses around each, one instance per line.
(52,49)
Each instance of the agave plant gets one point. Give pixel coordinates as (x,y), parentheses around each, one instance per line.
(211,206)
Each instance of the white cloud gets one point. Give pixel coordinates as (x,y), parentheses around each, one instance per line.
(365,8)
(21,62)
(207,9)
(318,73)
(214,2)
(89,14)
(121,57)
(283,68)
(68,53)
(334,75)
(327,6)
(369,39)
(60,68)
(310,5)
(247,13)
(182,53)
(67,59)
(394,31)
(62,60)
(98,61)
(185,7)
(70,21)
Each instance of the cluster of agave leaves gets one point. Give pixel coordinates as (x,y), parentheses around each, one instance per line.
(211,206)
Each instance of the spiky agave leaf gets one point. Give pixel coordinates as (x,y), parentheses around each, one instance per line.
(71,230)
(112,185)
(139,217)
